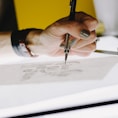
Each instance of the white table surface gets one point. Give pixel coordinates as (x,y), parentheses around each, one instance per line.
(19,95)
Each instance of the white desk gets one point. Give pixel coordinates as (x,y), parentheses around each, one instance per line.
(18,95)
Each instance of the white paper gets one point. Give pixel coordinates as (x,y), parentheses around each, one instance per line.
(57,71)
(109,43)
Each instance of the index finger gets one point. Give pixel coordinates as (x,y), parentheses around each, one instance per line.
(90,22)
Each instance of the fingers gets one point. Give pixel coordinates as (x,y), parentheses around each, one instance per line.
(82,29)
(83,51)
(88,48)
(82,43)
(82,22)
(90,22)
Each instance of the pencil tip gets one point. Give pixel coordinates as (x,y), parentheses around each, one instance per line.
(66,58)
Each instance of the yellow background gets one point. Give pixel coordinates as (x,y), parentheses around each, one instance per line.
(41,13)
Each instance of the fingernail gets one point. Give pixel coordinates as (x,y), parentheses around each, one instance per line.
(84,33)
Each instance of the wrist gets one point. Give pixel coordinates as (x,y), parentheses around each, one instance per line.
(33,37)
(20,43)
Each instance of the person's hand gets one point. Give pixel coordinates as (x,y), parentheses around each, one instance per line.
(50,40)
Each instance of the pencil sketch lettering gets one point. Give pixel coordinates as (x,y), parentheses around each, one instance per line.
(74,70)
(50,69)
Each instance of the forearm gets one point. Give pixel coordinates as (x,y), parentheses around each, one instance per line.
(6,49)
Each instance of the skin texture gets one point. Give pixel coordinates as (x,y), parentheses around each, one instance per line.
(48,41)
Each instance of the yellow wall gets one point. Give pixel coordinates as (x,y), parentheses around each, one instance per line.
(41,13)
